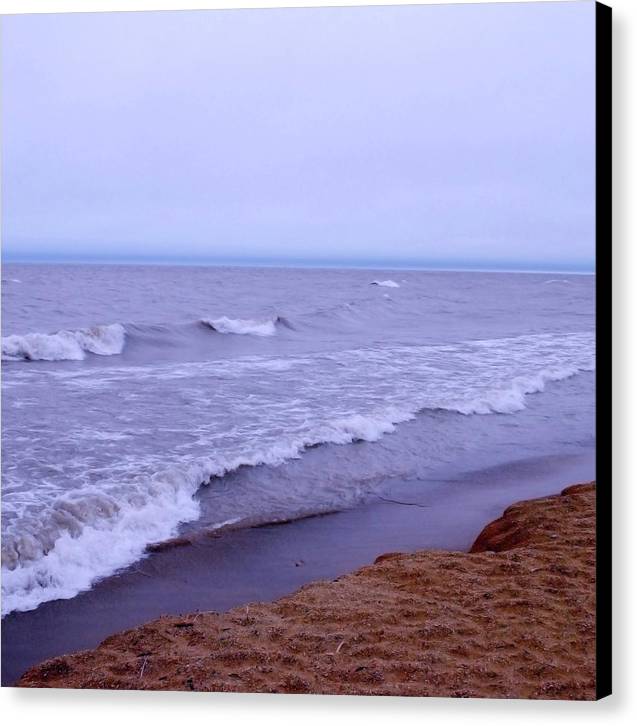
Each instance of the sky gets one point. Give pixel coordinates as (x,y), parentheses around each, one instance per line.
(434,136)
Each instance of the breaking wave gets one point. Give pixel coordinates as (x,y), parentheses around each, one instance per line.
(512,398)
(69,345)
(90,533)
(244,327)
(384,283)
(65,344)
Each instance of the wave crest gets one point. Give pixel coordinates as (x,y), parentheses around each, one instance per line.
(513,398)
(65,344)
(384,283)
(242,327)
(88,534)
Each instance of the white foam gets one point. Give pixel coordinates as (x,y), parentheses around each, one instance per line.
(65,344)
(87,534)
(242,327)
(90,534)
(385,283)
(368,428)
(512,398)
(114,535)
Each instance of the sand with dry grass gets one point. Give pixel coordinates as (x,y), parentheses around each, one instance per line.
(514,618)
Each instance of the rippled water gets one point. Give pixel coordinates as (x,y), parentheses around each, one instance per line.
(127,388)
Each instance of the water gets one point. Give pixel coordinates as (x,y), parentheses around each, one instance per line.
(143,402)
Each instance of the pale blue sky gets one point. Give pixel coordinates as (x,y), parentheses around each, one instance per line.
(433,135)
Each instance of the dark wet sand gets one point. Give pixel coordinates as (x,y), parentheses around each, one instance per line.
(265,563)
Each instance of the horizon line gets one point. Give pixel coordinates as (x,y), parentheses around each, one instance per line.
(509,267)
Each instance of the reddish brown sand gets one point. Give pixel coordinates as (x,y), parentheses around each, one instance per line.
(514,618)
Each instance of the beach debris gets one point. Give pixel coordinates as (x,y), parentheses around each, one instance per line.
(338,649)
(143,668)
(406,504)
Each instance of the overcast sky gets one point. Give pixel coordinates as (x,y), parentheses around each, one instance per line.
(434,135)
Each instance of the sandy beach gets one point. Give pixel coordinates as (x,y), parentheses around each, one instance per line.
(513,618)
(264,564)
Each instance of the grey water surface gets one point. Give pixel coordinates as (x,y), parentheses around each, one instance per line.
(145,402)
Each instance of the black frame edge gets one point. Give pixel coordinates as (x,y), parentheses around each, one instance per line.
(603,282)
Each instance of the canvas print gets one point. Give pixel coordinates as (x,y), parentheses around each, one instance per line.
(299,350)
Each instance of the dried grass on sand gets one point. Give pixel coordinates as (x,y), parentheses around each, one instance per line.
(515,618)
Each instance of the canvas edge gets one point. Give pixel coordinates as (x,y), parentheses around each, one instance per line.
(603,282)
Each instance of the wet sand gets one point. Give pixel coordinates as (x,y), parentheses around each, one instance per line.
(266,563)
(514,618)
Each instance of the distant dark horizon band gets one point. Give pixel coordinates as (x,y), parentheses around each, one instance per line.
(373,264)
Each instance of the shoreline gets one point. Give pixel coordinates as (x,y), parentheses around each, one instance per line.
(512,618)
(268,562)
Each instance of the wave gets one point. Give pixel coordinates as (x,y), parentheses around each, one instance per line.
(65,344)
(69,345)
(245,327)
(90,534)
(512,398)
(384,283)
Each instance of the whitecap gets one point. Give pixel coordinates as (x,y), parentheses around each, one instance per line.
(241,327)
(65,344)
(384,283)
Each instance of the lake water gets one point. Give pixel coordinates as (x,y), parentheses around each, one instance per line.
(144,402)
